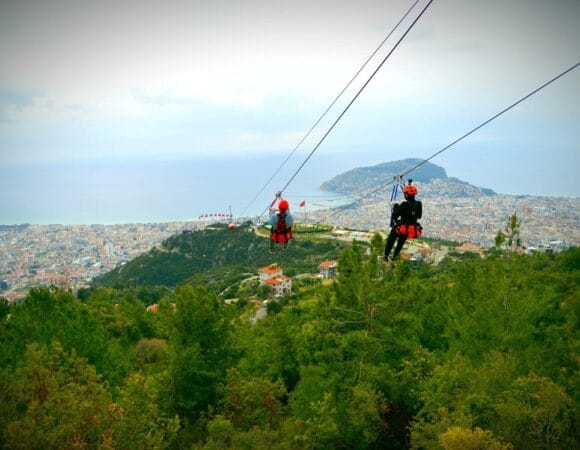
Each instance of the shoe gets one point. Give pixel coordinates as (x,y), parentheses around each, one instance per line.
(271,250)
(285,247)
(382,258)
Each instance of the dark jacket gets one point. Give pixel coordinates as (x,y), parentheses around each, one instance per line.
(407,213)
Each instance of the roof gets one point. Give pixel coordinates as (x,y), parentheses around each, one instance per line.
(327,264)
(272,268)
(468,247)
(277,281)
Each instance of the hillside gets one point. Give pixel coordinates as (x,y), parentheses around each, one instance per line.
(472,354)
(216,256)
(364,179)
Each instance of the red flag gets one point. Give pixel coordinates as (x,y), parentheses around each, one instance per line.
(302,203)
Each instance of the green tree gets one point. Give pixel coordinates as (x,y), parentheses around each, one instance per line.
(59,402)
(199,350)
(457,438)
(52,314)
(253,401)
(140,421)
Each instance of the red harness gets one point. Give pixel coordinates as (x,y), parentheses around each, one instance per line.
(410,231)
(281,234)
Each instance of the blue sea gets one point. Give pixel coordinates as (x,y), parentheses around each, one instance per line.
(108,192)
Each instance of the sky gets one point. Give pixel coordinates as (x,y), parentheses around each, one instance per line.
(197,80)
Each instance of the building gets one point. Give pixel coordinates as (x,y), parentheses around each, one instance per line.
(272,276)
(280,285)
(328,269)
(271,271)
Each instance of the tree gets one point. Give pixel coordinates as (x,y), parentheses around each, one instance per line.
(52,314)
(198,349)
(140,421)
(457,438)
(253,401)
(510,235)
(60,402)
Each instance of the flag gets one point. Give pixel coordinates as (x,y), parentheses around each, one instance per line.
(302,203)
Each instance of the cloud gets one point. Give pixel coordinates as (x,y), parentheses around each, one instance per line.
(17,99)
(15,102)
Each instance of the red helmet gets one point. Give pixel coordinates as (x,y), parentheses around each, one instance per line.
(410,189)
(284,205)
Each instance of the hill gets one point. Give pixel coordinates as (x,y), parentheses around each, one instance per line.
(364,179)
(216,256)
(471,354)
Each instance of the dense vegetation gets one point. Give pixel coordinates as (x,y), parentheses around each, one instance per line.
(476,354)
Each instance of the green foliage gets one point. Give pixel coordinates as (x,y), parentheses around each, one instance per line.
(218,257)
(4,308)
(57,400)
(478,353)
(49,315)
(457,438)
(199,349)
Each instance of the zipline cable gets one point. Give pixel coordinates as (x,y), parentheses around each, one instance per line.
(353,99)
(329,107)
(547,83)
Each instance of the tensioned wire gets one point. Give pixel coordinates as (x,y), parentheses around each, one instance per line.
(415,167)
(352,101)
(329,107)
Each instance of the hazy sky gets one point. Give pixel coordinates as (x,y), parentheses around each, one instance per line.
(188,79)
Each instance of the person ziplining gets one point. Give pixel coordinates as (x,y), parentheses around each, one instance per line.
(281,222)
(404,222)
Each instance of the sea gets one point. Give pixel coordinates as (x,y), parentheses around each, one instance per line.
(147,191)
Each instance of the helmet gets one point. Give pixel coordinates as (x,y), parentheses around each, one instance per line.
(410,189)
(284,205)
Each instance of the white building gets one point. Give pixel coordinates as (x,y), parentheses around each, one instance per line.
(271,271)
(280,285)
(272,276)
(328,268)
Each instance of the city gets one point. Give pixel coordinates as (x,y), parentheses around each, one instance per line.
(71,256)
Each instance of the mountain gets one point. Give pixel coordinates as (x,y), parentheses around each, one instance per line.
(217,256)
(364,179)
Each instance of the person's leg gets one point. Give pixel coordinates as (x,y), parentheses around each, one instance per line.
(271,244)
(390,242)
(399,246)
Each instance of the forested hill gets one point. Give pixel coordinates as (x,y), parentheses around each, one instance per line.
(477,354)
(366,178)
(217,256)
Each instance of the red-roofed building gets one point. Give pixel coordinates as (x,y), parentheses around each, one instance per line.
(328,268)
(271,271)
(272,276)
(280,285)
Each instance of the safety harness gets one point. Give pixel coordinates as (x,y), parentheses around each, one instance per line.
(411,231)
(280,233)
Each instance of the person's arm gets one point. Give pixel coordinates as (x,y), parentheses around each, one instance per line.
(419,212)
(273,219)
